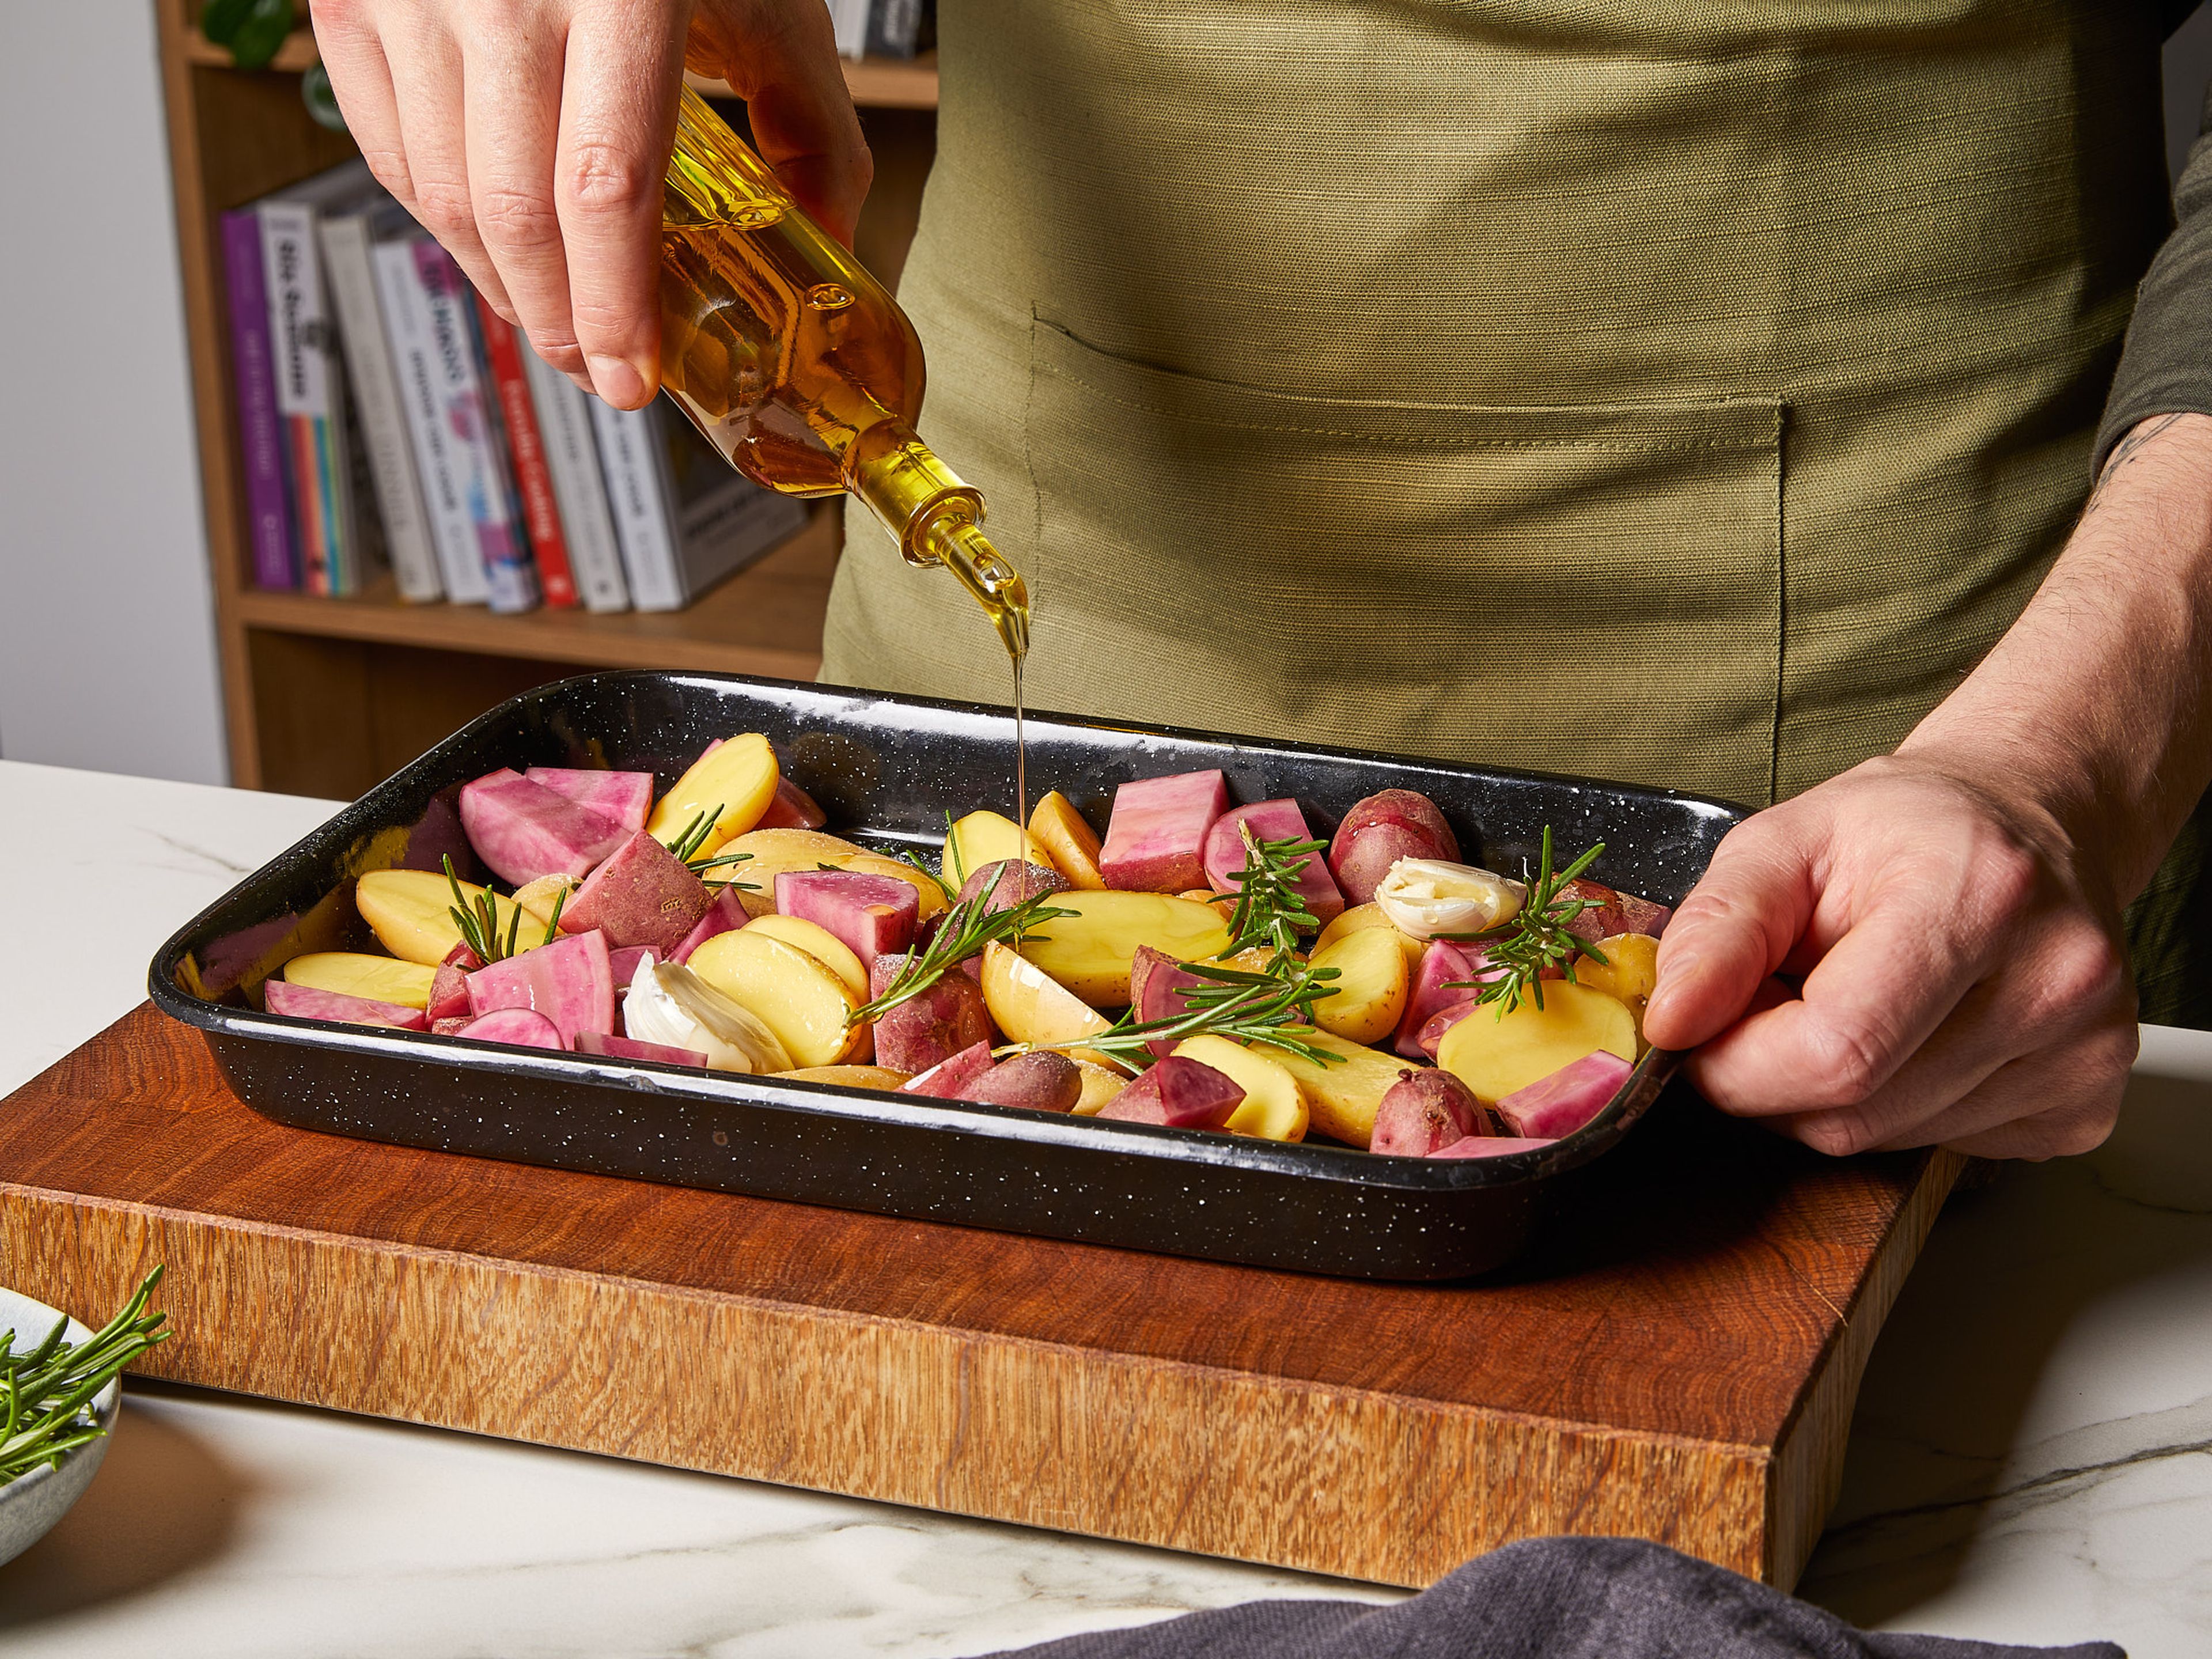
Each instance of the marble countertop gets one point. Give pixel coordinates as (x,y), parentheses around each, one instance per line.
(2031,1460)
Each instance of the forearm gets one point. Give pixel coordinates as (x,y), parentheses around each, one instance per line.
(2097,704)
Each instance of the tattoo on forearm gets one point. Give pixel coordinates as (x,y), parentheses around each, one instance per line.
(2124,452)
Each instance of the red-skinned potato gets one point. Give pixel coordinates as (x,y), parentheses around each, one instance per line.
(1554,1107)
(1041,1082)
(1489,1147)
(1183,1094)
(642,894)
(952,1077)
(928,1029)
(1425,1112)
(1378,831)
(1015,880)
(1156,982)
(523,830)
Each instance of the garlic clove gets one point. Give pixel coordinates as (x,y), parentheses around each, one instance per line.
(1424,897)
(668,1003)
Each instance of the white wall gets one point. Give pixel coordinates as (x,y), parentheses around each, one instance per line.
(107,639)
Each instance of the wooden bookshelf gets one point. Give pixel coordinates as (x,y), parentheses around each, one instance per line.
(325,696)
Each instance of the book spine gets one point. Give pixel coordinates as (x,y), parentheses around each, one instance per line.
(298,344)
(488,489)
(893,28)
(445,490)
(572,456)
(645,524)
(398,488)
(268,516)
(504,348)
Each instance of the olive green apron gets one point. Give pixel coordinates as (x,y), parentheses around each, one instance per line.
(1681,392)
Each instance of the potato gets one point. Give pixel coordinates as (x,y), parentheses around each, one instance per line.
(539,897)
(850,1077)
(1378,831)
(803,1002)
(982,838)
(1371,983)
(818,942)
(1041,1082)
(1274,1106)
(776,850)
(1630,970)
(1496,1054)
(409,911)
(1362,916)
(1066,835)
(1010,882)
(357,974)
(1029,1007)
(735,781)
(1425,1111)
(1090,951)
(1343,1097)
(1100,1084)
(930,1027)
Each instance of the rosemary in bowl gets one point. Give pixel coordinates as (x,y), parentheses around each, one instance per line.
(46,1390)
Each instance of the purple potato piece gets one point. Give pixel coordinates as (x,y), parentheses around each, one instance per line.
(571,982)
(1556,1106)
(1425,1111)
(625,797)
(1155,838)
(519,1028)
(930,1028)
(523,830)
(1041,1082)
(306,1002)
(624,1048)
(1179,1092)
(725,915)
(642,894)
(1489,1147)
(1020,880)
(871,916)
(952,1077)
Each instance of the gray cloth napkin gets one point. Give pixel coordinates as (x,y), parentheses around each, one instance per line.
(1549,1598)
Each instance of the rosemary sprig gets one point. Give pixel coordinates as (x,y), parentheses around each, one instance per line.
(553,921)
(913,861)
(1536,939)
(46,1391)
(694,835)
(952,856)
(1269,908)
(966,929)
(479,923)
(1274,1009)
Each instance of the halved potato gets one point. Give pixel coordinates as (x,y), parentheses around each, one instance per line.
(1274,1106)
(1371,983)
(1342,1097)
(1630,970)
(1068,836)
(851,1076)
(803,1002)
(1030,1007)
(357,974)
(1090,951)
(539,899)
(982,838)
(411,912)
(774,851)
(735,781)
(1494,1053)
(818,942)
(1100,1084)
(1361,917)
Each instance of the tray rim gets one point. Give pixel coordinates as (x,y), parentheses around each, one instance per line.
(690,1087)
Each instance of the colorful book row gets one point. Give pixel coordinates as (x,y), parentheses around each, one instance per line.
(388,415)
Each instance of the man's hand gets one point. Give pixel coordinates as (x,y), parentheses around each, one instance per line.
(529,137)
(1964,980)
(1946,921)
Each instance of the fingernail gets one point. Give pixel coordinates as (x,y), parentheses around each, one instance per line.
(617,381)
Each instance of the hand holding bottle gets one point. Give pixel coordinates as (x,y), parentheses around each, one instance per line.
(529,137)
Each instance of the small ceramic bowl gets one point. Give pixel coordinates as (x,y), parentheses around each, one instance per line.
(31,1504)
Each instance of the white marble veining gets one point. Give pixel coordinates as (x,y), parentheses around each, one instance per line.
(2032,1459)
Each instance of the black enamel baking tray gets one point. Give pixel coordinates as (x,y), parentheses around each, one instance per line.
(885,768)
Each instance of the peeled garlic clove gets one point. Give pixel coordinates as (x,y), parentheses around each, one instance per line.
(668,1003)
(1425,897)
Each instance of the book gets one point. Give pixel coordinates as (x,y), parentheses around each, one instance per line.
(441,462)
(504,349)
(684,517)
(572,457)
(268,511)
(895,28)
(309,376)
(487,486)
(381,422)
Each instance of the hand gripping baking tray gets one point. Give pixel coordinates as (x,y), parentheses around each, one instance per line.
(885,768)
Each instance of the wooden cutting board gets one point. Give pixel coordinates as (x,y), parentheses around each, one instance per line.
(1676,1360)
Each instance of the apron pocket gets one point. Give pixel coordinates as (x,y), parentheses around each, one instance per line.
(1592,589)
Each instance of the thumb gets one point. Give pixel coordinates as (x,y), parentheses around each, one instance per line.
(782,59)
(1735,929)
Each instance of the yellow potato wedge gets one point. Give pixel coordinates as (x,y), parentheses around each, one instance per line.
(803,1003)
(1371,983)
(1630,970)
(735,782)
(1495,1054)
(774,851)
(982,838)
(818,942)
(1029,1007)
(1361,917)
(538,899)
(1100,1084)
(1342,1098)
(851,1076)
(411,912)
(357,974)
(1090,951)
(1274,1106)
(1067,835)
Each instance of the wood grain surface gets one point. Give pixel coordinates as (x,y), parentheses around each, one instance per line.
(1676,1358)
